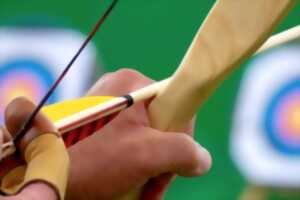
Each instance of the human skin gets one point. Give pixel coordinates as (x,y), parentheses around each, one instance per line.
(127,152)
(16,112)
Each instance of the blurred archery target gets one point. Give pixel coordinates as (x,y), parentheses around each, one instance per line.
(282,119)
(24,77)
(265,140)
(32,58)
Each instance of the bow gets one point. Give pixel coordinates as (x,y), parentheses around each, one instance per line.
(229,35)
(82,113)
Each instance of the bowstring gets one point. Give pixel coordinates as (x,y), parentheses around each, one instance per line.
(28,123)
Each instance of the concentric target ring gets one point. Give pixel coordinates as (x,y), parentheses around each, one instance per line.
(282,119)
(24,77)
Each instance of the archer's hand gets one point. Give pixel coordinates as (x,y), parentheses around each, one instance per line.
(38,175)
(127,152)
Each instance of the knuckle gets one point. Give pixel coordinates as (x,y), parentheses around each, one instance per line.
(125,78)
(106,76)
(126,72)
(132,76)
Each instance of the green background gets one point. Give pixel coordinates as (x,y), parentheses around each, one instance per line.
(151,36)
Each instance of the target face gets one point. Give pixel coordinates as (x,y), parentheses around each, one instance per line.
(31,58)
(282,121)
(24,77)
(265,139)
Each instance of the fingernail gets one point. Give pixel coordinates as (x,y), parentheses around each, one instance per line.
(205,159)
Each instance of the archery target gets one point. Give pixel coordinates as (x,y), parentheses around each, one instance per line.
(32,58)
(265,140)
(282,119)
(24,77)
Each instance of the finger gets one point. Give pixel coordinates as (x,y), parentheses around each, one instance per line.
(17,112)
(119,83)
(6,135)
(175,152)
(1,142)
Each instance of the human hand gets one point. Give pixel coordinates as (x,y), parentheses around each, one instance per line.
(128,152)
(31,186)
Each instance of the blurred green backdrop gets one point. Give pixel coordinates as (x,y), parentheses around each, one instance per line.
(151,37)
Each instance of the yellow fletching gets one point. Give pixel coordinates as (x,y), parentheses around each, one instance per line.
(66,108)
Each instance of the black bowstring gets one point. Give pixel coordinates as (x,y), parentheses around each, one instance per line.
(28,123)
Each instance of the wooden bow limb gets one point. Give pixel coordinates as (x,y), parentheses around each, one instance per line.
(117,104)
(231,33)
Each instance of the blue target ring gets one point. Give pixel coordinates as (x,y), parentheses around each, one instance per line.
(282,119)
(24,77)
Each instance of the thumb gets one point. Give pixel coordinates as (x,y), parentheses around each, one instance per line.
(177,153)
(17,112)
